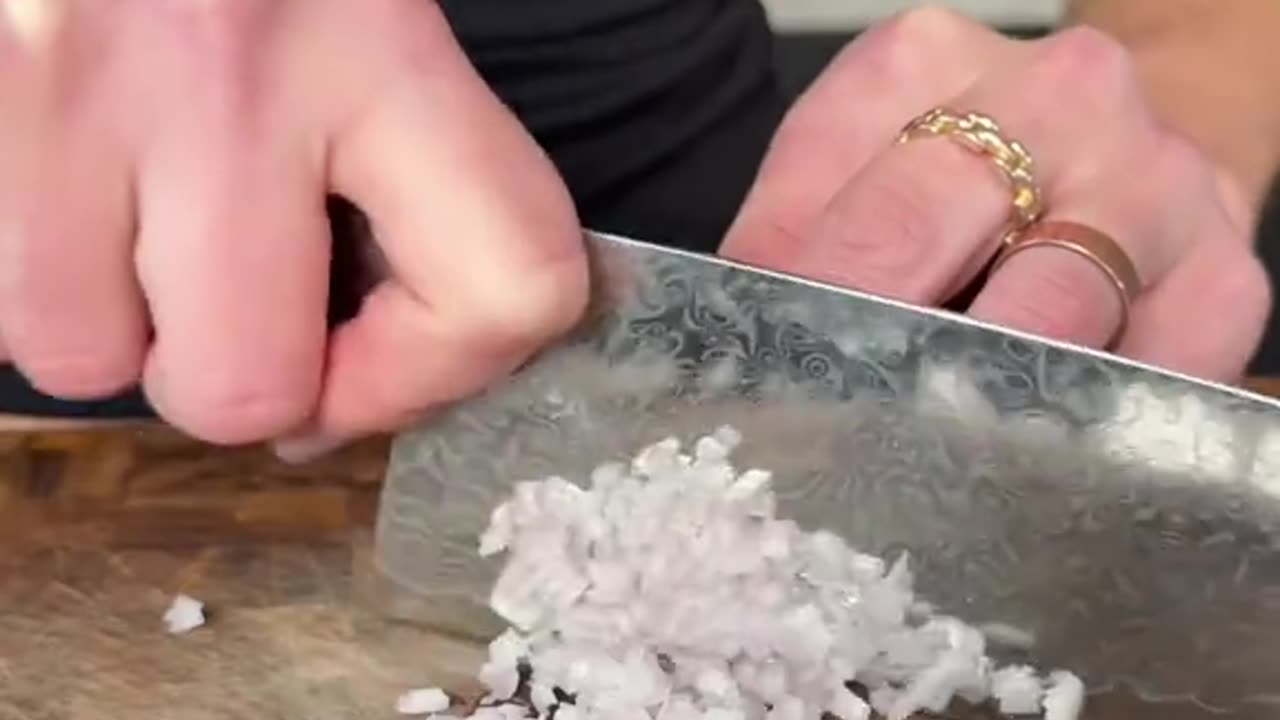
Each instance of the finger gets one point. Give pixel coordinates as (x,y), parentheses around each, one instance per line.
(1062,295)
(890,73)
(1208,315)
(232,251)
(1059,294)
(71,312)
(922,219)
(479,235)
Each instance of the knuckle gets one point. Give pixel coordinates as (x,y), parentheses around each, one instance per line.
(1177,173)
(1181,161)
(1179,154)
(1177,159)
(67,350)
(1231,305)
(1243,285)
(526,308)
(1088,61)
(907,44)
(926,24)
(230,411)
(77,375)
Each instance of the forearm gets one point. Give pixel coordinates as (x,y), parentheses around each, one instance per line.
(1211,70)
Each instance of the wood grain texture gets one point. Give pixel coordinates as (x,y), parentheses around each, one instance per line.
(100,528)
(149,486)
(81,637)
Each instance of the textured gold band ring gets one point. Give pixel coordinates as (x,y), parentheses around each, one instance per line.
(982,135)
(1091,244)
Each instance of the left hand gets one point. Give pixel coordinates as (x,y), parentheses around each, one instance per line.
(838,201)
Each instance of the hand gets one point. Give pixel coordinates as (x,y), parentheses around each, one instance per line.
(162,212)
(837,200)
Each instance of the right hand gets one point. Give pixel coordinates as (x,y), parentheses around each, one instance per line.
(162,213)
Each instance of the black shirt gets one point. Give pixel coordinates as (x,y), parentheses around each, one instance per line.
(612,88)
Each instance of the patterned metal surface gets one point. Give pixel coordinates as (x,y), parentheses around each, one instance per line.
(1127,517)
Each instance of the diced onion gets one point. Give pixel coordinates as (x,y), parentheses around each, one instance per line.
(667,589)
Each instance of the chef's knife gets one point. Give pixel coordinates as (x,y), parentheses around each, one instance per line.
(1089,500)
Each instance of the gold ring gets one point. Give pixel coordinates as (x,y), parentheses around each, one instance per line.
(982,135)
(1091,244)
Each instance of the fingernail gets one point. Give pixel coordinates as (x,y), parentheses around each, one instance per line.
(305,448)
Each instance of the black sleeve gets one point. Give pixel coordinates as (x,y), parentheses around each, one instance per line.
(656,112)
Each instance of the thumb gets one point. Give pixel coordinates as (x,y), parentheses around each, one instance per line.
(484,252)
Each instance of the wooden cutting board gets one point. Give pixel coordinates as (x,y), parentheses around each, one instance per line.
(99,529)
(101,526)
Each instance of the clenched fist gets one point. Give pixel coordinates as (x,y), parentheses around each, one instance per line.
(162,212)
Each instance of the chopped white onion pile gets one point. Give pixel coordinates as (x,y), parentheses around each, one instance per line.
(185,614)
(668,590)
